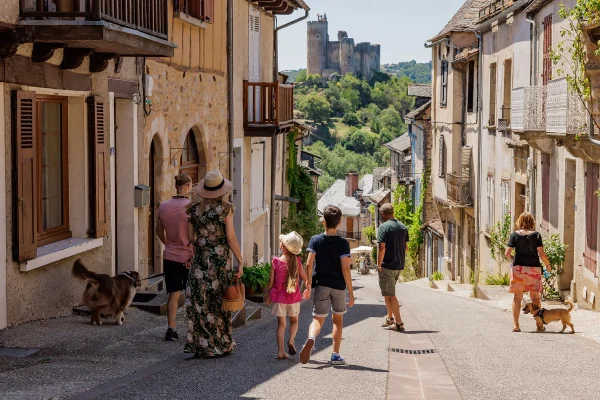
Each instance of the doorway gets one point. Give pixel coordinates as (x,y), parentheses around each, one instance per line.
(520,193)
(429,253)
(151,213)
(190,158)
(564,282)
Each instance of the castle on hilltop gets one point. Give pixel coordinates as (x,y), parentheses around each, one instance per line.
(343,56)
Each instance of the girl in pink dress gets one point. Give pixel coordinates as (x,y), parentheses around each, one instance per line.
(284,290)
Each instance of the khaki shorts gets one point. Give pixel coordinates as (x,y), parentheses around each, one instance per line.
(387,281)
(285,310)
(327,298)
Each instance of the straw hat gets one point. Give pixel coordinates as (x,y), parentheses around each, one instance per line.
(213,185)
(293,242)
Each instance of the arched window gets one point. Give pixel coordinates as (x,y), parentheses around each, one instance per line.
(190,160)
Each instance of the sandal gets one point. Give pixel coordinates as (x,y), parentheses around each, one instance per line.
(283,357)
(516,330)
(387,322)
(292,349)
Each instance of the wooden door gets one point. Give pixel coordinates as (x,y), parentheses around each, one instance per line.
(591,217)
(565,278)
(151,213)
(350,228)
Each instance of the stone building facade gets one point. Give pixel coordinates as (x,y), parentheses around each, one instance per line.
(343,56)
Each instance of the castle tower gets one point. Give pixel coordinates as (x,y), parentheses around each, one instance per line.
(347,64)
(318,39)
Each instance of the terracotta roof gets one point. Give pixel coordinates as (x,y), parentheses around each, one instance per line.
(464,19)
(380,195)
(401,143)
(417,111)
(467,53)
(435,225)
(419,90)
(336,196)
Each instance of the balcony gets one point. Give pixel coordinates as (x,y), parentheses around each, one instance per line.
(404,171)
(550,109)
(101,29)
(268,108)
(350,235)
(459,190)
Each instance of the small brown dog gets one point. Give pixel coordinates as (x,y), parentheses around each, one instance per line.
(105,294)
(544,316)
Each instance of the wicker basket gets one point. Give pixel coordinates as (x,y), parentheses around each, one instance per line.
(233,305)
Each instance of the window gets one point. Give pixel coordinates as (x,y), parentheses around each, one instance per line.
(442,157)
(592,182)
(492,119)
(547,61)
(521,154)
(490,201)
(507,92)
(471,86)
(257,195)
(52,161)
(318,36)
(42,168)
(505,195)
(444,95)
(190,160)
(545,190)
(200,9)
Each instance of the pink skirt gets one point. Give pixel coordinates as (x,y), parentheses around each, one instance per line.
(525,279)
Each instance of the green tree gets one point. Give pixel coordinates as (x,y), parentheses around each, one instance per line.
(315,107)
(301,76)
(361,86)
(391,120)
(351,119)
(351,98)
(358,141)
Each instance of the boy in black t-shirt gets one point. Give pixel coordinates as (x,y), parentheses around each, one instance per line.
(332,278)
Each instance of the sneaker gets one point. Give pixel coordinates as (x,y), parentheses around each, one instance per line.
(306,350)
(387,322)
(396,327)
(336,359)
(171,335)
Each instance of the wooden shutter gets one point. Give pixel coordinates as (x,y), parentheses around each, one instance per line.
(465,160)
(208,10)
(99,146)
(545,190)
(25,179)
(257,171)
(506,106)
(547,61)
(442,158)
(254,44)
(592,179)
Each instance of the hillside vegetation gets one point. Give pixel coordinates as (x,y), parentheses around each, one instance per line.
(353,119)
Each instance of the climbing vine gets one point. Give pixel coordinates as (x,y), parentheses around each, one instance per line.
(499,235)
(556,250)
(302,217)
(572,52)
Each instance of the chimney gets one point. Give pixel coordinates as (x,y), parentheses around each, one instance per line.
(351,183)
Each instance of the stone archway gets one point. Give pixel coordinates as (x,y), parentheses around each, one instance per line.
(157,174)
(193,157)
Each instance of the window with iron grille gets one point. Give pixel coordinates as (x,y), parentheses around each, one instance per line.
(490,201)
(442,157)
(505,195)
(521,154)
(444,88)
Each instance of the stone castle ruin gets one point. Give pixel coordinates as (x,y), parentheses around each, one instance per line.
(342,56)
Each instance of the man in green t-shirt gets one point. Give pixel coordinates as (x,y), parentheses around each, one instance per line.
(392,239)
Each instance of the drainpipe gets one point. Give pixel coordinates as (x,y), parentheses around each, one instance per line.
(230,105)
(274,140)
(479,166)
(533,81)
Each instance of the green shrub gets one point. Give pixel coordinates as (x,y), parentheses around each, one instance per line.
(555,249)
(437,276)
(257,276)
(498,280)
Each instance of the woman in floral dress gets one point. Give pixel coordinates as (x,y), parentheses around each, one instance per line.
(211,230)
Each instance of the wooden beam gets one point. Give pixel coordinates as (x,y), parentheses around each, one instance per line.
(73,57)
(99,61)
(10,40)
(44,51)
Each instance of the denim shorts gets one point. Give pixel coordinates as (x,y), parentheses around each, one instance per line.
(327,298)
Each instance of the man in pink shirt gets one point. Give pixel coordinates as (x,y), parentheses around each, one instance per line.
(172,231)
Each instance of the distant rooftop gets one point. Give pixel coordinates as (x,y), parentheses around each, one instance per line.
(419,90)
(399,144)
(336,196)
(464,20)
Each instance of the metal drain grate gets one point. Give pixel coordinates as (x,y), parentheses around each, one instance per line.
(406,351)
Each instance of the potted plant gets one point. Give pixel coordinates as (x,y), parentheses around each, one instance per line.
(256,278)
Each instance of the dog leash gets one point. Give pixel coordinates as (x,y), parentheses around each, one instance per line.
(153,276)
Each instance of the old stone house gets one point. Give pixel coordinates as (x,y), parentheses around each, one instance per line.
(69,87)
(454,120)
(115,109)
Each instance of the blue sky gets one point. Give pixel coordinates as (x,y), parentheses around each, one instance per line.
(401,27)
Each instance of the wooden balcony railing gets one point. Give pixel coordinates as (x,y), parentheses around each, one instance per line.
(199,9)
(404,170)
(350,235)
(148,16)
(268,105)
(459,189)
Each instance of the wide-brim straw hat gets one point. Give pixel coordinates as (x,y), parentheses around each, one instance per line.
(293,242)
(214,185)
